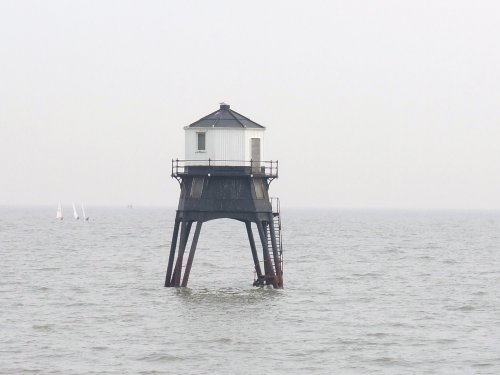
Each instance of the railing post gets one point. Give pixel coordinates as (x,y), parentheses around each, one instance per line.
(209,162)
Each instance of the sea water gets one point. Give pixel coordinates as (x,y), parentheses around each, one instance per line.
(366,292)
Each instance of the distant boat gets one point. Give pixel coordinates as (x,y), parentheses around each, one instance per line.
(59,215)
(75,214)
(85,217)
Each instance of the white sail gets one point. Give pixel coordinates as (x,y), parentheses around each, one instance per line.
(85,217)
(75,214)
(59,214)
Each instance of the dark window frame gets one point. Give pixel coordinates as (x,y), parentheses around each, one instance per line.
(203,143)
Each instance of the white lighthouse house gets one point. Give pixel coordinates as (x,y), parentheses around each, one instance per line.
(224,138)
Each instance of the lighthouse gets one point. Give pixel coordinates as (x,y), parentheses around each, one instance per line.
(224,176)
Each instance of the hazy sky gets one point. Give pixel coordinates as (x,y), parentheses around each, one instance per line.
(367,103)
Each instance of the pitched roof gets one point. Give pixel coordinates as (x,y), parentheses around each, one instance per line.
(225,117)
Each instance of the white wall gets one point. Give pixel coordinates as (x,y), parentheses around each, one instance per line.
(230,144)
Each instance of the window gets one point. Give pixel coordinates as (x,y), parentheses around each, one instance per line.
(200,139)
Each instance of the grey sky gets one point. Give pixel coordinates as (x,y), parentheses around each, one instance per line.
(367,103)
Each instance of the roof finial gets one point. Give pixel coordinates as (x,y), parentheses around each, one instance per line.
(224,106)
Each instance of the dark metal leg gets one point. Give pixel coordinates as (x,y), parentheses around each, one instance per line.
(173,246)
(277,262)
(191,253)
(254,249)
(264,251)
(176,277)
(267,261)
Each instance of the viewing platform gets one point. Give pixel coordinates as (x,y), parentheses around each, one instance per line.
(211,167)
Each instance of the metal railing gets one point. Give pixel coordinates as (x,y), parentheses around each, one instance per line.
(268,168)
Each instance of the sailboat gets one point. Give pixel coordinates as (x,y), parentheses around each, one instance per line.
(85,217)
(75,214)
(59,215)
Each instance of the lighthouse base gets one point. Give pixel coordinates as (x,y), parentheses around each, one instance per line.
(268,226)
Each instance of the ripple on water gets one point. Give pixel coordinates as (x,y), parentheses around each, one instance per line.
(378,334)
(48,269)
(160,357)
(482,365)
(462,308)
(223,340)
(99,348)
(43,327)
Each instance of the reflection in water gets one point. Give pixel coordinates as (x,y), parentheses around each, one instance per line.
(228,296)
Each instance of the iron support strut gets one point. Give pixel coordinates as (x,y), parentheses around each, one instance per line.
(254,252)
(191,254)
(176,277)
(171,257)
